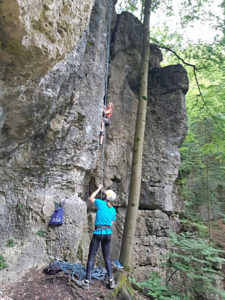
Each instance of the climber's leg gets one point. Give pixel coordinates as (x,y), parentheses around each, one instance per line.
(101,132)
(101,137)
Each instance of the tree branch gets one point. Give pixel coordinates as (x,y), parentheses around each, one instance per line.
(175,53)
(171,277)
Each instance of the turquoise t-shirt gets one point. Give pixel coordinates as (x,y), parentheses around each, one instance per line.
(104,216)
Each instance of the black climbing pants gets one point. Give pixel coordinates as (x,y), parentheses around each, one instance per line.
(105,240)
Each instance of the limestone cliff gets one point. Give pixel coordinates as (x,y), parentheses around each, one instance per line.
(52,89)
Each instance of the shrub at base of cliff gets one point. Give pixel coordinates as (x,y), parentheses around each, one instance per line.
(154,288)
(196,265)
(193,271)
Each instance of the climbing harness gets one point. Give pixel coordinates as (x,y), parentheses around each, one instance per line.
(102,227)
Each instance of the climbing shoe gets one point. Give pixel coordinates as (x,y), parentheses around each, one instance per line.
(84,284)
(111,284)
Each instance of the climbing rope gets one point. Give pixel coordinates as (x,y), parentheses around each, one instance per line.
(106,93)
(108,48)
(80,271)
(106,78)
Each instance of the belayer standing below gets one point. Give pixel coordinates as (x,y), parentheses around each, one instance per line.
(107,112)
(105,217)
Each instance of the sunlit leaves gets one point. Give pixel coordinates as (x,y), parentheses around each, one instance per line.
(128,5)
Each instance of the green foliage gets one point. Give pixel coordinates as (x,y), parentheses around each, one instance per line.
(20,205)
(128,5)
(40,233)
(137,6)
(196,10)
(126,268)
(194,152)
(195,225)
(195,258)
(10,243)
(156,289)
(3,264)
(203,148)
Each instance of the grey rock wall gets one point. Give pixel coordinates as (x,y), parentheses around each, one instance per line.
(35,34)
(49,147)
(50,124)
(166,130)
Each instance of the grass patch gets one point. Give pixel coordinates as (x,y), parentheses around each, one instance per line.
(3,264)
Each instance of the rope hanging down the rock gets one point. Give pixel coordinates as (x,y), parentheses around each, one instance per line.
(106,77)
(106,94)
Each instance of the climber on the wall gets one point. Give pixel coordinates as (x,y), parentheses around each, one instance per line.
(105,217)
(107,112)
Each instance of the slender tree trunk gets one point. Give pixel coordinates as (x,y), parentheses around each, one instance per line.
(208,197)
(135,184)
(207,188)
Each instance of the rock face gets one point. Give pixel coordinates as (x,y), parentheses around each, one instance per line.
(50,120)
(165,125)
(166,129)
(3,297)
(35,34)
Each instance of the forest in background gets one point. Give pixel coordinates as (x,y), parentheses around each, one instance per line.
(201,181)
(202,170)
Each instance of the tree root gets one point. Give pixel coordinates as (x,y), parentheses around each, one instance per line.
(75,290)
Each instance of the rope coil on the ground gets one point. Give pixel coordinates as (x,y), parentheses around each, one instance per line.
(79,271)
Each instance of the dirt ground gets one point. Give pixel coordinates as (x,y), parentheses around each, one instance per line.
(36,285)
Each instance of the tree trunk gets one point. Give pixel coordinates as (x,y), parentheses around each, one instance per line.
(135,184)
(207,188)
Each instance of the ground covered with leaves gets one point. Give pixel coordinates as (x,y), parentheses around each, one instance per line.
(36,285)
